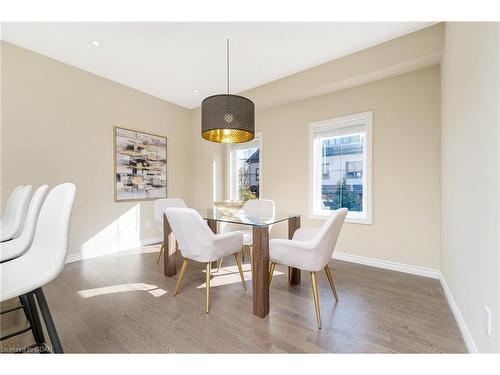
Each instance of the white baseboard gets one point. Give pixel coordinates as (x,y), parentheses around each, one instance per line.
(420,271)
(73,258)
(394,266)
(469,342)
(145,242)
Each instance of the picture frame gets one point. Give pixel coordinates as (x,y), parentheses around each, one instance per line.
(139,165)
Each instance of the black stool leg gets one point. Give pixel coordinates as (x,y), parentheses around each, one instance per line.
(31,312)
(49,323)
(37,325)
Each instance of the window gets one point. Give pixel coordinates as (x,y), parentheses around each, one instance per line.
(244,166)
(341,167)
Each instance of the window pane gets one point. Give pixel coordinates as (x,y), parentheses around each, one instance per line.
(246,174)
(342,172)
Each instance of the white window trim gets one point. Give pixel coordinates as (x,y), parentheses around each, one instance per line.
(229,169)
(334,124)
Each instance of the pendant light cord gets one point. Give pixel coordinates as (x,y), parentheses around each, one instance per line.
(227,57)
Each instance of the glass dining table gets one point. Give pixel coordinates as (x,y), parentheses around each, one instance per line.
(260,259)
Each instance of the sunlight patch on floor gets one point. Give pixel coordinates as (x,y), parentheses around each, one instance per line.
(230,275)
(121,288)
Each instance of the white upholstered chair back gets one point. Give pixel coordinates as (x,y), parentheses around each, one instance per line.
(194,236)
(259,208)
(161,205)
(326,239)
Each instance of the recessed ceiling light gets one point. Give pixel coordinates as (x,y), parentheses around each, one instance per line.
(196,91)
(96,43)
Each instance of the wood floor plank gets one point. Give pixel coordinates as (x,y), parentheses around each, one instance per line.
(123,304)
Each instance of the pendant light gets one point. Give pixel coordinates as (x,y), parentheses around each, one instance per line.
(227,118)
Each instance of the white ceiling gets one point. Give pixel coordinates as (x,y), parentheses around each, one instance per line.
(171,60)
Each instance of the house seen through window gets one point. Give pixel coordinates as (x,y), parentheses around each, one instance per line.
(244,170)
(341,156)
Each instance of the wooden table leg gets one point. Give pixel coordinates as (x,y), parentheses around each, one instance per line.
(213,225)
(260,271)
(293,273)
(169,264)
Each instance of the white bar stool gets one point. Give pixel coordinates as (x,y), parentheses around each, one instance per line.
(12,225)
(17,246)
(25,275)
(8,206)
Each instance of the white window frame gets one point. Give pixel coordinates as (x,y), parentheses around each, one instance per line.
(230,192)
(337,126)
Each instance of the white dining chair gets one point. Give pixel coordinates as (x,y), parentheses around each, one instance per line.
(17,246)
(197,242)
(259,208)
(12,225)
(159,209)
(310,250)
(8,206)
(25,276)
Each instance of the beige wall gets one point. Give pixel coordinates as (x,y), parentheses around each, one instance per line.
(470,260)
(406,165)
(208,163)
(57,125)
(406,171)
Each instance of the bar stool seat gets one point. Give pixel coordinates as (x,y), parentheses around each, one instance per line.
(13,222)
(25,275)
(17,246)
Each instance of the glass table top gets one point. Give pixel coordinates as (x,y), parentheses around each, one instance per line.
(240,217)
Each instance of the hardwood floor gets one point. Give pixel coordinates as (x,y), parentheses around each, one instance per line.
(124,303)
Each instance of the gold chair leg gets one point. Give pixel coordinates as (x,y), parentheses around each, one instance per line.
(238,263)
(243,253)
(219,265)
(207,282)
(159,255)
(271,271)
(177,252)
(330,280)
(316,298)
(181,276)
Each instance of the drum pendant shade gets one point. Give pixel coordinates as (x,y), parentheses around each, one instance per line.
(227,118)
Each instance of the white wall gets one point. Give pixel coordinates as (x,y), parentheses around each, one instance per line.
(470,145)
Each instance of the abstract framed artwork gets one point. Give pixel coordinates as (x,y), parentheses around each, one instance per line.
(140,165)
